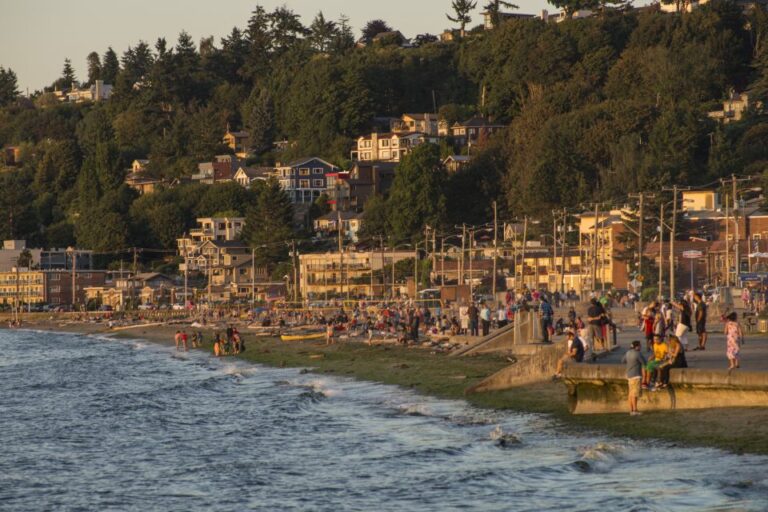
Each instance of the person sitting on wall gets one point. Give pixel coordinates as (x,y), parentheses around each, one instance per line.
(574,353)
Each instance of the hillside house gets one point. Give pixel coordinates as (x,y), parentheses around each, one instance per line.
(304,179)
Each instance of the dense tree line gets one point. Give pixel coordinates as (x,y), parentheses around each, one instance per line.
(596,108)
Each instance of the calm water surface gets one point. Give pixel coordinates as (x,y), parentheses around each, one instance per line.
(97,424)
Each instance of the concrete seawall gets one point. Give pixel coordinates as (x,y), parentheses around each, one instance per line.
(595,389)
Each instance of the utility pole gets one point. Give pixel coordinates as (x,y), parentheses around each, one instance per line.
(594,250)
(734,195)
(495,248)
(463,237)
(727,251)
(661,253)
(74,277)
(522,251)
(341,253)
(562,252)
(673,233)
(641,197)
(186,274)
(416,271)
(294,261)
(393,270)
(442,261)
(253,279)
(471,243)
(554,246)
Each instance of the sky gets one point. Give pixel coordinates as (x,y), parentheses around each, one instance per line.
(37,35)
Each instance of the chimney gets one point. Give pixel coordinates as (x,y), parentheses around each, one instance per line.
(97,90)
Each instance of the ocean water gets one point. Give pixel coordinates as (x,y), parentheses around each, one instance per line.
(92,423)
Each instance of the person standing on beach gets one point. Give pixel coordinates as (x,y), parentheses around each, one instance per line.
(701,321)
(485,317)
(474,315)
(635,363)
(734,337)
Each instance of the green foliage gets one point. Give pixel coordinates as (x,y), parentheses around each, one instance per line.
(462,10)
(374,28)
(9,87)
(417,197)
(269,223)
(596,108)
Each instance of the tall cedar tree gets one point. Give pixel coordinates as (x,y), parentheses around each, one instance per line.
(268,224)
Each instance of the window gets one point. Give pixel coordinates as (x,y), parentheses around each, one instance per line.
(317,170)
(385,143)
(366,156)
(303,183)
(304,171)
(385,155)
(55,277)
(366,144)
(55,289)
(756,237)
(317,183)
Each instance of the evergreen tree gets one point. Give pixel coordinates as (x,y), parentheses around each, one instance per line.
(268,224)
(285,28)
(258,118)
(462,9)
(417,197)
(110,66)
(67,79)
(94,67)
(9,90)
(322,33)
(260,43)
(343,39)
(374,28)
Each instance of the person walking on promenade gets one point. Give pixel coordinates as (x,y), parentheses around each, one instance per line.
(474,315)
(648,316)
(701,321)
(546,313)
(684,325)
(635,363)
(734,337)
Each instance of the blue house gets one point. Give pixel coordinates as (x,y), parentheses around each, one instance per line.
(305,179)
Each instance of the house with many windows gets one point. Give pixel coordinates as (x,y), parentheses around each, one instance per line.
(247,176)
(221,169)
(388,147)
(304,179)
(474,131)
